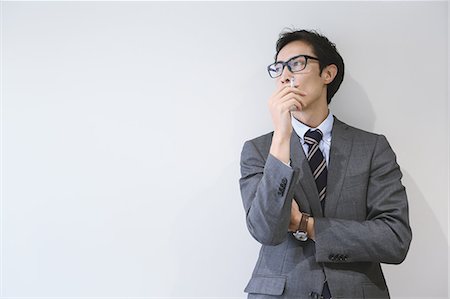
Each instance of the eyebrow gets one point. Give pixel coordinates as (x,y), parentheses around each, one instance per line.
(294,57)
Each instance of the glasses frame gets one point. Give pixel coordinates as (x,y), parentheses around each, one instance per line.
(286,63)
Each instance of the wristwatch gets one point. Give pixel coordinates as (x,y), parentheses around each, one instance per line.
(301,233)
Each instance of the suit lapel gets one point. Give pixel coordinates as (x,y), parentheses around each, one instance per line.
(341,145)
(306,193)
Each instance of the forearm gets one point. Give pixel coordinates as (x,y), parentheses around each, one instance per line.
(379,240)
(280,147)
(371,221)
(266,189)
(268,212)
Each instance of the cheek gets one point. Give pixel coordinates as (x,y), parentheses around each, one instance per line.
(279,83)
(308,81)
(303,82)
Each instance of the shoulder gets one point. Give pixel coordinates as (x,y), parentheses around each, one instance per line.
(357,134)
(263,140)
(364,140)
(260,145)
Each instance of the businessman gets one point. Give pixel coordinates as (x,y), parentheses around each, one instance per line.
(323,198)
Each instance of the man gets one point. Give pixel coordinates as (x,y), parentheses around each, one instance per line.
(323,198)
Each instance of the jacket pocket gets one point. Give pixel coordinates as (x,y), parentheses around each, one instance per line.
(372,291)
(266,284)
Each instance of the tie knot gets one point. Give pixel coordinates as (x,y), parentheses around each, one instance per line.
(313,137)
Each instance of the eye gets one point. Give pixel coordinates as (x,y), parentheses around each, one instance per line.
(298,63)
(276,68)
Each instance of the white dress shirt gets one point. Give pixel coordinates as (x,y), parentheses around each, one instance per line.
(325,127)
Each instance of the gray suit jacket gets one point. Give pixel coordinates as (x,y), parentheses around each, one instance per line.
(365,221)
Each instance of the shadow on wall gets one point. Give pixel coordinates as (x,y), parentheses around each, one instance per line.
(429,248)
(428,251)
(351,105)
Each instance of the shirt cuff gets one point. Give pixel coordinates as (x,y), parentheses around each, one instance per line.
(288,163)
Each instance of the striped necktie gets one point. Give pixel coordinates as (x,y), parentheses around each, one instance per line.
(317,163)
(318,166)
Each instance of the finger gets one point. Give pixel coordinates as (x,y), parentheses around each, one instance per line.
(290,102)
(298,91)
(283,90)
(288,89)
(293,99)
(290,105)
(287,106)
(278,94)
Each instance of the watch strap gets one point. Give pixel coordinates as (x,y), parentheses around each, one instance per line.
(303,225)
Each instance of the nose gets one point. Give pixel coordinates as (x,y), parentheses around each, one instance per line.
(286,75)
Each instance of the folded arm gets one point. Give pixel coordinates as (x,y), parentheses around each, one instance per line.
(385,235)
(266,189)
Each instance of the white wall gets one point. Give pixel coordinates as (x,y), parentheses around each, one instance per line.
(122,126)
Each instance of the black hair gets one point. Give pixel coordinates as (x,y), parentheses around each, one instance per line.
(325,51)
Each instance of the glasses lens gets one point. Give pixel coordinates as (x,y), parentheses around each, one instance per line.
(297,64)
(275,69)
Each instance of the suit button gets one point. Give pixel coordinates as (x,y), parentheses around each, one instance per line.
(331,257)
(284,181)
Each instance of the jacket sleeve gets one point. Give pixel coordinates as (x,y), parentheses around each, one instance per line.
(266,190)
(385,235)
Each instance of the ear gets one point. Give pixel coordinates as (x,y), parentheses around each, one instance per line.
(329,73)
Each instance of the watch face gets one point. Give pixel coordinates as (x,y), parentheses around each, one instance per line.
(301,236)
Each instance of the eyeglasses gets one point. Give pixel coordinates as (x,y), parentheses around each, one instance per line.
(295,64)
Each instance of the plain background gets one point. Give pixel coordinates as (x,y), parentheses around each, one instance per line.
(122,126)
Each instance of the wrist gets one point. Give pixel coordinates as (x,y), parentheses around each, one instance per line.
(280,148)
(281,138)
(301,233)
(298,220)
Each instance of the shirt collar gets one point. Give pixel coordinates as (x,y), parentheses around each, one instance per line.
(325,127)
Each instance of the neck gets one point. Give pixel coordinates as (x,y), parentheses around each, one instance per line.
(312,118)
